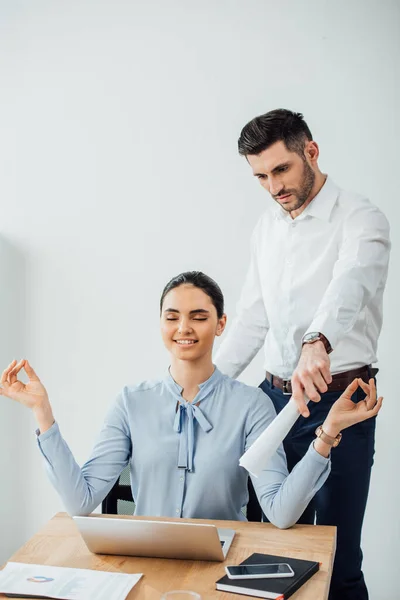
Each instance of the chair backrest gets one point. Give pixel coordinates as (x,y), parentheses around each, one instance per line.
(253,508)
(119,500)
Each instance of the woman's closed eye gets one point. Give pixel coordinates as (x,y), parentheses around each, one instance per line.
(194,318)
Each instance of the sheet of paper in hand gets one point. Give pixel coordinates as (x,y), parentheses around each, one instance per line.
(256,458)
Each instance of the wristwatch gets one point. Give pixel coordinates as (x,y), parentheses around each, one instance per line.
(316,336)
(328,439)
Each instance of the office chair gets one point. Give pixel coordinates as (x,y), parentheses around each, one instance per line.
(119,500)
(253,508)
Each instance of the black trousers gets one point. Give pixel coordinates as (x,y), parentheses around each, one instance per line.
(342,499)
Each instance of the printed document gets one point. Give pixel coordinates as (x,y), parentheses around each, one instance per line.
(63,583)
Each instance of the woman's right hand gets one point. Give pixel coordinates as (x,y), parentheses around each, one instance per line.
(32,394)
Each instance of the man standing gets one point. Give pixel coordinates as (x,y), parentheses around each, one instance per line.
(313,297)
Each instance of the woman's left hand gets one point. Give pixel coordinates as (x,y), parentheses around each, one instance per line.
(345,413)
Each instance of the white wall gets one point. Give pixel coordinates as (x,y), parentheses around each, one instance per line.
(118,169)
(14,420)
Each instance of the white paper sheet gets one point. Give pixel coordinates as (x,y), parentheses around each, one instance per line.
(256,458)
(65,583)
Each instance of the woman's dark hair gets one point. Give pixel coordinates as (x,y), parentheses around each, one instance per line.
(278,125)
(201,281)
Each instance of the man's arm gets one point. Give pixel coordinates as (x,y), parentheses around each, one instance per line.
(250,326)
(359,273)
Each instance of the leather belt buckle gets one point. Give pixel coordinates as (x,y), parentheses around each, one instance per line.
(286,387)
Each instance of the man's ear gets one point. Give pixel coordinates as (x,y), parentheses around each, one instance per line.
(311,151)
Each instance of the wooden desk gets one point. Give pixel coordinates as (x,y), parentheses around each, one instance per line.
(59,544)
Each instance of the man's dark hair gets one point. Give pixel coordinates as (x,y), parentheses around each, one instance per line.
(201,281)
(275,126)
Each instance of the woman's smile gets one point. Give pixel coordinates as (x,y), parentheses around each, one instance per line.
(185,342)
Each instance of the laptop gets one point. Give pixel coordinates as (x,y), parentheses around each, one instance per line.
(161,539)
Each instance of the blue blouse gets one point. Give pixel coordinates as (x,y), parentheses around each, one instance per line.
(184,456)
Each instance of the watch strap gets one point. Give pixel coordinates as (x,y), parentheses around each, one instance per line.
(318,337)
(328,439)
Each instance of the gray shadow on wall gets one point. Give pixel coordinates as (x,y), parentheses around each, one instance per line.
(14,419)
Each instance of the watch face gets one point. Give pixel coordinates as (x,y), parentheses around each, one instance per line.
(311,337)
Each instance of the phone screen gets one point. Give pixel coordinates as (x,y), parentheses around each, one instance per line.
(272,569)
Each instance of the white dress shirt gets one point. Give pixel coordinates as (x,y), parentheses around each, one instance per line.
(324,271)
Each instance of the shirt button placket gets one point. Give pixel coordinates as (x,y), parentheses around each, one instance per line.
(289,283)
(288,277)
(291,303)
(181,487)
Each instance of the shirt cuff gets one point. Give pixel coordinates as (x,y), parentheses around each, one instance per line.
(316,456)
(41,437)
(327,327)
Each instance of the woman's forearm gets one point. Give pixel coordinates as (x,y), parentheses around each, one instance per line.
(82,489)
(284,497)
(44,416)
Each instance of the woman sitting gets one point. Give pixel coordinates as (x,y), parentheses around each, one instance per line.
(183,434)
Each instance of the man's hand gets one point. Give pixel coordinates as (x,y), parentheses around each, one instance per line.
(311,375)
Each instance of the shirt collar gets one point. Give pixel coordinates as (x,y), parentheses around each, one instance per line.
(189,412)
(320,207)
(204,388)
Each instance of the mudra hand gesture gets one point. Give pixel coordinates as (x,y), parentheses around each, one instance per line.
(345,413)
(32,394)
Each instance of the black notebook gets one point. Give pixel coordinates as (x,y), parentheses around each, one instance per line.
(273,588)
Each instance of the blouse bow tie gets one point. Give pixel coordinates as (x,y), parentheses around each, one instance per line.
(184,425)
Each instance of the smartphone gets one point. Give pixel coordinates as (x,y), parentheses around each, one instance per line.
(259,571)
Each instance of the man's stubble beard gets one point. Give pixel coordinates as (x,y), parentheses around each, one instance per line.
(306,186)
